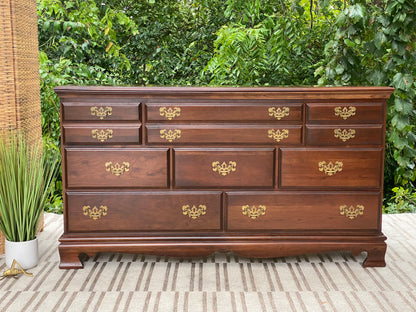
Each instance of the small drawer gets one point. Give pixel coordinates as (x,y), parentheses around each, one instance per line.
(345,135)
(143,211)
(345,112)
(223,134)
(214,111)
(101,110)
(97,134)
(218,168)
(309,167)
(125,167)
(302,211)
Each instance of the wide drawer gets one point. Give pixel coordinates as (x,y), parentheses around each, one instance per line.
(143,211)
(223,134)
(125,167)
(313,167)
(345,135)
(345,112)
(214,111)
(97,134)
(302,210)
(219,168)
(102,110)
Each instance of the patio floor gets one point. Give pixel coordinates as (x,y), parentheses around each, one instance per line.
(221,282)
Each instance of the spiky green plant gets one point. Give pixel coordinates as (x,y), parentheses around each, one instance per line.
(25,176)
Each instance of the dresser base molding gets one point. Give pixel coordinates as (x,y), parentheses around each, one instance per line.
(74,251)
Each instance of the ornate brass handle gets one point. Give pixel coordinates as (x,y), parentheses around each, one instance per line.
(345,112)
(170,135)
(102,135)
(351,212)
(194,211)
(330,168)
(254,212)
(117,169)
(279,112)
(344,135)
(95,213)
(101,112)
(278,135)
(224,168)
(170,112)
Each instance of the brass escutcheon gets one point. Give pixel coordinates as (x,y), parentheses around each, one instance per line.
(194,212)
(117,169)
(224,168)
(95,213)
(344,135)
(351,212)
(279,112)
(170,135)
(254,212)
(330,168)
(278,135)
(101,112)
(170,112)
(102,135)
(345,112)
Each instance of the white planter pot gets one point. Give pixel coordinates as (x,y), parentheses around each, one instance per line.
(25,253)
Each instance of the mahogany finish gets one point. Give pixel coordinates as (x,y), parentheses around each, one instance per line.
(188,171)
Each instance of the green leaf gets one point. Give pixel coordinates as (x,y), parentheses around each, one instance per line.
(404,106)
(379,39)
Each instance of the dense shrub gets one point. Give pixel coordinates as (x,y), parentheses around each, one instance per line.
(234,42)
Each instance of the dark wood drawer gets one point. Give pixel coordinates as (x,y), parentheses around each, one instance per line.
(345,112)
(143,211)
(97,134)
(240,111)
(125,167)
(345,135)
(309,167)
(302,210)
(102,110)
(222,134)
(217,168)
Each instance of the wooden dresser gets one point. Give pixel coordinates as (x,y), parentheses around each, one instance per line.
(262,172)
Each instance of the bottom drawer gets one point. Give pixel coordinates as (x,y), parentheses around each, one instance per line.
(303,210)
(142,211)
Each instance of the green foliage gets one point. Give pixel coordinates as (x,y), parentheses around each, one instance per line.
(234,42)
(25,178)
(376,45)
(404,200)
(267,42)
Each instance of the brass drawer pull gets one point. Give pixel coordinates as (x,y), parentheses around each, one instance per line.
(345,112)
(102,135)
(117,169)
(254,212)
(95,213)
(170,135)
(170,112)
(101,112)
(194,212)
(278,135)
(224,168)
(344,135)
(351,212)
(278,112)
(330,168)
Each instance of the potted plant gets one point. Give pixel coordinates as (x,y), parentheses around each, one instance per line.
(25,177)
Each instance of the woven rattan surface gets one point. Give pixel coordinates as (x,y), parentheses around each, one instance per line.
(19,71)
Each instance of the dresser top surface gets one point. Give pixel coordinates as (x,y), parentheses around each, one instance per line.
(303,93)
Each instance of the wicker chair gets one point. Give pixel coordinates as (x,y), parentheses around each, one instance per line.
(19,71)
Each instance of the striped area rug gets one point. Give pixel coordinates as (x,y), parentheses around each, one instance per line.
(221,282)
